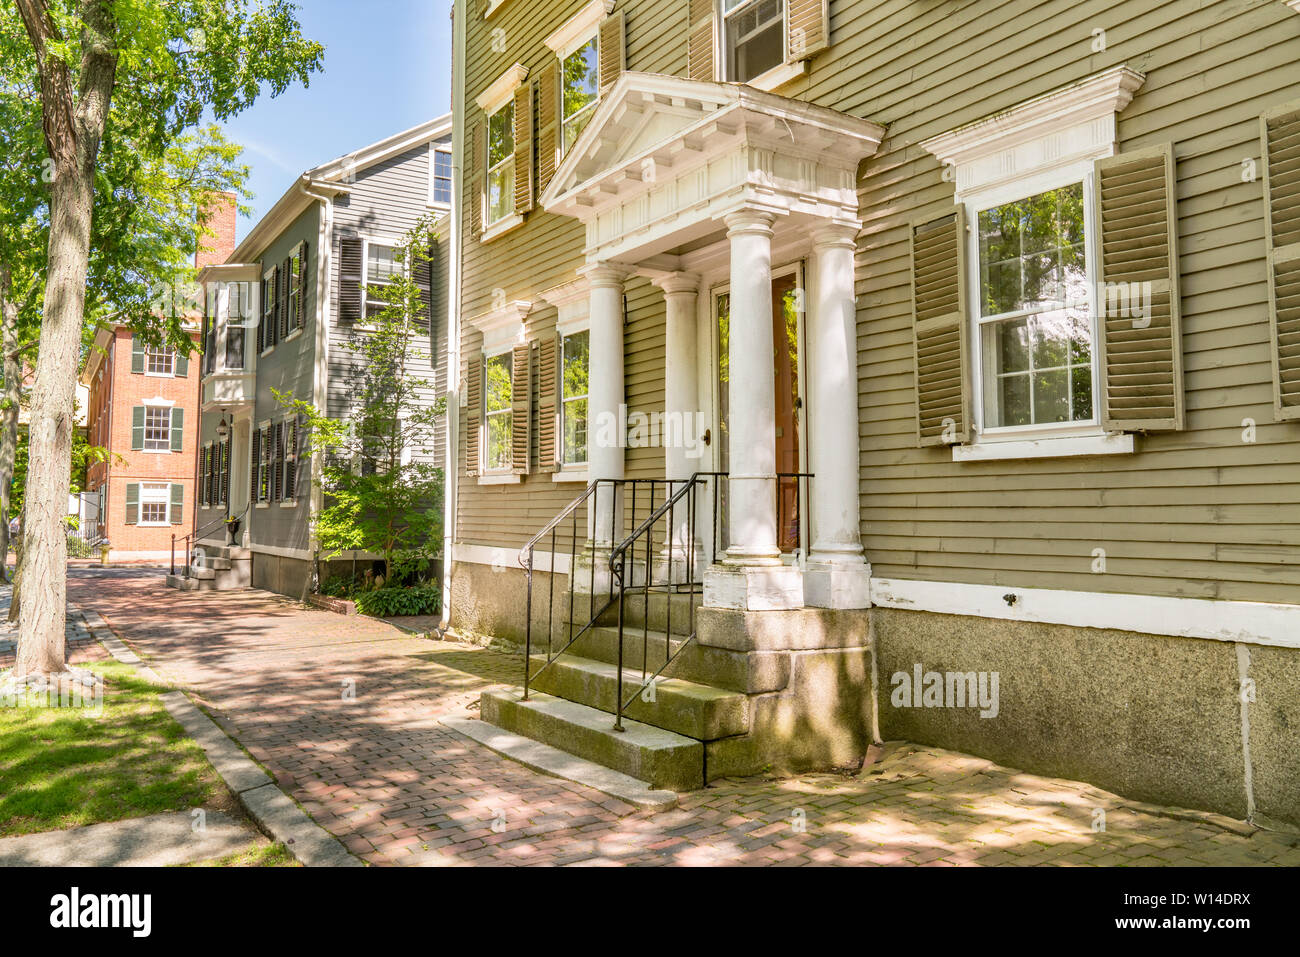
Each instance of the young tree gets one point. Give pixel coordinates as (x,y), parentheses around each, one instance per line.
(382,493)
(165,62)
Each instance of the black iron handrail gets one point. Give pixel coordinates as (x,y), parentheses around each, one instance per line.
(198,534)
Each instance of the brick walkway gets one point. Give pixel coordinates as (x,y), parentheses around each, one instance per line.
(344,712)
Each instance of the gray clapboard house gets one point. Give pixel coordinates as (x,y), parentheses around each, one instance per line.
(280,315)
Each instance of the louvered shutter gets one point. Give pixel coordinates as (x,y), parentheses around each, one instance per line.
(1141,354)
(225,472)
(350,266)
(613,50)
(521,394)
(291,461)
(178,430)
(182,364)
(473,413)
(132,503)
(548,146)
(939,330)
(254,458)
(287,278)
(422,274)
(524,148)
(548,404)
(137,354)
(203,470)
(176,511)
(137,427)
(808,29)
(300,314)
(700,42)
(277,461)
(1281,150)
(477,165)
(261,321)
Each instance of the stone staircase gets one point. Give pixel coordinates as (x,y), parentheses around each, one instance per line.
(669,732)
(225,568)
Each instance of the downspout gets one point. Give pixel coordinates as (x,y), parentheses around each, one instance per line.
(458,17)
(320,379)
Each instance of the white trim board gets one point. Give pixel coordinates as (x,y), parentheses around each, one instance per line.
(1256,623)
(507,558)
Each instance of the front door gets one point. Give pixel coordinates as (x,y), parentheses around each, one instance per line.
(791,450)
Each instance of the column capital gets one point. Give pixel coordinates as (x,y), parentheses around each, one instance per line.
(604,274)
(674,283)
(836,234)
(751,221)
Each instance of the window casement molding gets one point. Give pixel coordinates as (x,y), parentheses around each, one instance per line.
(779,76)
(580,28)
(1074,123)
(367,240)
(491,7)
(503,328)
(1039,447)
(503,225)
(500,91)
(1293,4)
(805,33)
(572,301)
(436,147)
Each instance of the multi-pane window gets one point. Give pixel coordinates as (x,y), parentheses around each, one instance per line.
(496,411)
(442,176)
(293,283)
(157,428)
(1036,335)
(265,460)
(382,267)
(753,37)
(155,498)
(574,353)
(580,80)
(267,337)
(238,313)
(159,360)
(501,163)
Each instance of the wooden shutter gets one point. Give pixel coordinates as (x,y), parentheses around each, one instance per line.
(300,314)
(939,330)
(178,429)
(477,165)
(422,275)
(137,354)
(287,279)
(277,461)
(261,319)
(808,29)
(225,472)
(133,503)
(521,407)
(548,119)
(1141,354)
(548,403)
(254,458)
(137,427)
(473,413)
(700,42)
(1280,131)
(350,266)
(201,492)
(524,148)
(291,461)
(176,512)
(613,50)
(182,364)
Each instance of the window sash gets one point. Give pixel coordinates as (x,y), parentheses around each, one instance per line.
(442,176)
(733,40)
(155,500)
(574,403)
(159,360)
(157,429)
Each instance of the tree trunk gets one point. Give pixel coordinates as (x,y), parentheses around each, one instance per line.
(73,131)
(9,414)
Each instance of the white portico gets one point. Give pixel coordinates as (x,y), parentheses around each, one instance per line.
(742,206)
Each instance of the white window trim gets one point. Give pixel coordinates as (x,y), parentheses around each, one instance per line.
(575,471)
(166,502)
(779,76)
(434,149)
(493,7)
(498,93)
(501,90)
(514,217)
(160,375)
(500,227)
(157,403)
(502,349)
(366,242)
(266,305)
(579,28)
(783,72)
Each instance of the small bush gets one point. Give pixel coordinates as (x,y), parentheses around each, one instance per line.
(389,602)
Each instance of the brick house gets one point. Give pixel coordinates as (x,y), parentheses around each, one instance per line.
(142,408)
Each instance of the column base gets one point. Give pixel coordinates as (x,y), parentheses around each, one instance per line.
(754,587)
(837,584)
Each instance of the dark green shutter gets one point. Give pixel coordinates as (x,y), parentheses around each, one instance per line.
(137,427)
(137,354)
(178,429)
(182,365)
(350,266)
(176,513)
(300,317)
(133,503)
(939,330)
(203,467)
(254,456)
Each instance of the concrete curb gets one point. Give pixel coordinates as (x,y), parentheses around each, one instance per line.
(548,760)
(273,810)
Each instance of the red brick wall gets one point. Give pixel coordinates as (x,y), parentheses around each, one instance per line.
(112,396)
(217,248)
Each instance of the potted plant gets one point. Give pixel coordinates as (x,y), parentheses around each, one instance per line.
(232,529)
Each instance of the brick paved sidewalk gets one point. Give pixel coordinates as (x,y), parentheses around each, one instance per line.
(344,712)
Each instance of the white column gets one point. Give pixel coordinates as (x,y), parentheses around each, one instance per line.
(681,396)
(605,432)
(751,407)
(838,575)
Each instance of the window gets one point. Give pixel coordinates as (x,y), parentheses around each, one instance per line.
(157,428)
(501,163)
(753,37)
(289,320)
(238,313)
(155,498)
(580,90)
(267,329)
(1035,331)
(159,360)
(382,267)
(497,412)
(265,458)
(442,177)
(574,363)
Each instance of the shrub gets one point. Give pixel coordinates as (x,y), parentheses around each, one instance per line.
(389,602)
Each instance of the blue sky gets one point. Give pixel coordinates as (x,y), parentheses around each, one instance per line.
(387,68)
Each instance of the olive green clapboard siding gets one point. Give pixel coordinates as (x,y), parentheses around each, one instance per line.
(1197,512)
(545,252)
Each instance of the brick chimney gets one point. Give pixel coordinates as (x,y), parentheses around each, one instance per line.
(217,248)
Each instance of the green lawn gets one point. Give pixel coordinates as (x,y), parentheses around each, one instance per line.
(61,767)
(263,855)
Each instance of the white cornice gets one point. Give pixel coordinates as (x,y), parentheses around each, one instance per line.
(579,28)
(502,326)
(1098,97)
(1293,4)
(352,163)
(502,88)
